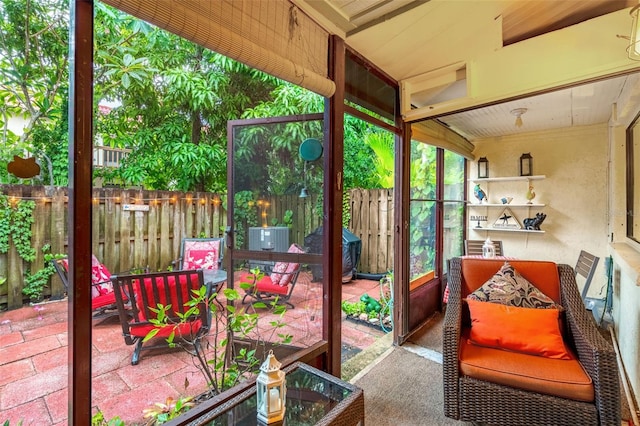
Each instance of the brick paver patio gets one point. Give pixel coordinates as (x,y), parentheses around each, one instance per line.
(34,358)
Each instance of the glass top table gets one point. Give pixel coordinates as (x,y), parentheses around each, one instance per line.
(214,278)
(313,398)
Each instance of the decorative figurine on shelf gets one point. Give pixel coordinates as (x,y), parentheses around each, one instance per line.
(479,193)
(530,194)
(478,219)
(488,249)
(505,218)
(271,391)
(506,200)
(533,223)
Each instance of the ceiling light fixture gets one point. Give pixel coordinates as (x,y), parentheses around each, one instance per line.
(518,113)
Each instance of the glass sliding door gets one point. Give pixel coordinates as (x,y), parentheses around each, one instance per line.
(454,212)
(436,224)
(422,234)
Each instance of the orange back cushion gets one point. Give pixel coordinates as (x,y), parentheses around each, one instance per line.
(542,274)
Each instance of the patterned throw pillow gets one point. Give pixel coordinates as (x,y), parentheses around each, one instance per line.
(508,287)
(283,271)
(201,254)
(100,277)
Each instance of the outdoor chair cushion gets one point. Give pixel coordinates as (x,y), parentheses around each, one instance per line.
(100,278)
(103,300)
(101,286)
(201,254)
(182,329)
(283,271)
(265,284)
(549,376)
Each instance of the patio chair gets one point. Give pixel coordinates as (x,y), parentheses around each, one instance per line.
(586,267)
(474,247)
(499,368)
(277,284)
(103,299)
(175,290)
(200,253)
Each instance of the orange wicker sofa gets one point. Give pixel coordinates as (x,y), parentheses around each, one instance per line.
(498,386)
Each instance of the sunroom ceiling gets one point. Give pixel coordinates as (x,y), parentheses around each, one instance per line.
(577,106)
(407,37)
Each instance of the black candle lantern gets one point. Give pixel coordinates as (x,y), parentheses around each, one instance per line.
(483,168)
(526,164)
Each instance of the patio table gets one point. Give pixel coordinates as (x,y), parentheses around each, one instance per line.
(215,277)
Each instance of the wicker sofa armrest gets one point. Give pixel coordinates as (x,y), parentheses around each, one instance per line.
(451,330)
(595,353)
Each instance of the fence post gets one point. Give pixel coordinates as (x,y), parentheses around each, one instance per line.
(15,265)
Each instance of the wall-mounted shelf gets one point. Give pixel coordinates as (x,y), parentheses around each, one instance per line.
(505,205)
(507,230)
(508,178)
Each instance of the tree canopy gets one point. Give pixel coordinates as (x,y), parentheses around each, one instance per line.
(34,40)
(170,101)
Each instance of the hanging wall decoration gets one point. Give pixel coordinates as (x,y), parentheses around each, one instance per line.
(24,168)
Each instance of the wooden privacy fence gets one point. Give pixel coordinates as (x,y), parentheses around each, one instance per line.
(135,228)
(372,222)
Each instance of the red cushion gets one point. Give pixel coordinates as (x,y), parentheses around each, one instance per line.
(264,285)
(527,330)
(100,280)
(103,300)
(162,299)
(267,286)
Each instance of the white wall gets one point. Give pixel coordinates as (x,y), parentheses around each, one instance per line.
(575,194)
(625,253)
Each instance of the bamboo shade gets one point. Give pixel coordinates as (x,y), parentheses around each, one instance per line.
(272,36)
(433,133)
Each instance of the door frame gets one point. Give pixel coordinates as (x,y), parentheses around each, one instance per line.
(317,353)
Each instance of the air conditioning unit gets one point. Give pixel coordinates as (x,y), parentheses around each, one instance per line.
(271,238)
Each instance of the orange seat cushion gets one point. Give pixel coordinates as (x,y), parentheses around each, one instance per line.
(557,377)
